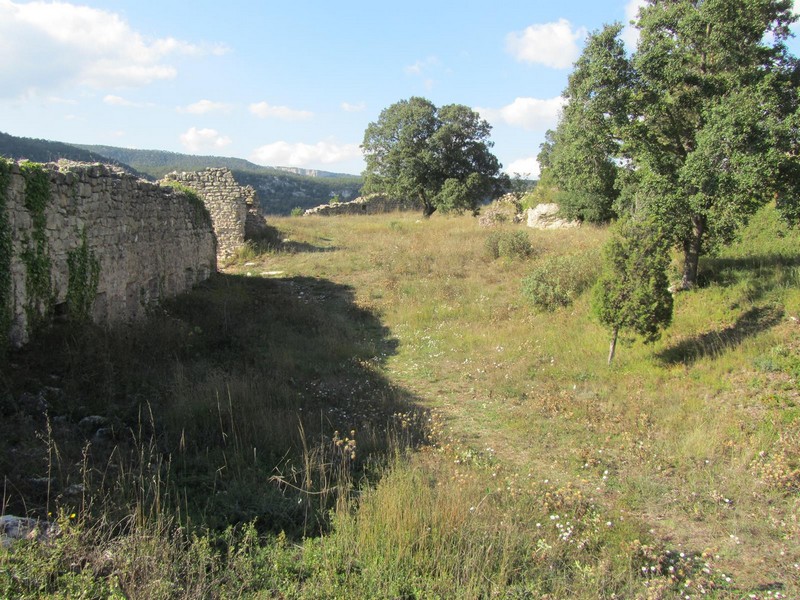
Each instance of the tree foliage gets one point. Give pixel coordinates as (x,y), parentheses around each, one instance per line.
(579,155)
(703,125)
(632,293)
(439,155)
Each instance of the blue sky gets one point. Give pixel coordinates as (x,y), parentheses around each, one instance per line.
(285,83)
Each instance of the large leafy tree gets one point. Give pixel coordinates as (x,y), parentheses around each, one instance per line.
(705,125)
(441,155)
(708,135)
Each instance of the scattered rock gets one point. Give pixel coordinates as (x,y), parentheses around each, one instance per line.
(33,404)
(22,528)
(104,434)
(76,489)
(91,424)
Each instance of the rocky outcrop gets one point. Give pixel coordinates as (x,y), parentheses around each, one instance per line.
(366,205)
(545,216)
(71,223)
(505,209)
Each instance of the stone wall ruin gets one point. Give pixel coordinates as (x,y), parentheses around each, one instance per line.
(366,205)
(149,241)
(235,211)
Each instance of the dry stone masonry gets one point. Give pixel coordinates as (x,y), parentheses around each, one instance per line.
(147,241)
(234,209)
(368,205)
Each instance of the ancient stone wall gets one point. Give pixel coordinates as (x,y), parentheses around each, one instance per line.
(147,241)
(234,209)
(369,205)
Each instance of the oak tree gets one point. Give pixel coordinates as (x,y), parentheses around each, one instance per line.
(703,127)
(442,156)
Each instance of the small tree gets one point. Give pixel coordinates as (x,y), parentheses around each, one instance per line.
(632,292)
(439,155)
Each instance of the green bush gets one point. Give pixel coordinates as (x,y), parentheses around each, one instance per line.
(515,244)
(297,211)
(508,244)
(557,281)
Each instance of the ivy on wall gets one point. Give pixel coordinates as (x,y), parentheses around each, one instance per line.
(35,255)
(84,276)
(5,254)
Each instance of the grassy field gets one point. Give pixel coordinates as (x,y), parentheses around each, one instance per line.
(371,407)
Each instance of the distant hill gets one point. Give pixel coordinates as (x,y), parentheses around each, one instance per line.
(158,163)
(280,189)
(44,151)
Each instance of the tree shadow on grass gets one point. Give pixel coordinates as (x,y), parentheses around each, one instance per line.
(252,398)
(763,272)
(713,343)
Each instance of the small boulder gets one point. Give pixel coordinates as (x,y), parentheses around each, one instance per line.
(22,528)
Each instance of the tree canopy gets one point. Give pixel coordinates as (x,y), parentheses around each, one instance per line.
(440,155)
(697,128)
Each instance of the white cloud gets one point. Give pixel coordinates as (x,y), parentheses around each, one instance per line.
(421,66)
(49,44)
(285,154)
(528,113)
(550,44)
(197,140)
(202,107)
(347,107)
(266,111)
(630,35)
(527,167)
(120,101)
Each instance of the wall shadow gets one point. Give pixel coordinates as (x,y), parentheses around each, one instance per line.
(230,392)
(713,343)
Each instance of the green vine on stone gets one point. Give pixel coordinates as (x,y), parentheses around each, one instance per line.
(5,256)
(84,277)
(36,255)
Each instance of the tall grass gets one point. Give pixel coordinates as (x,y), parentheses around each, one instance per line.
(391,418)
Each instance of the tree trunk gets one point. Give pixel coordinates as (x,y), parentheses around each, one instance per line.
(427,208)
(613,347)
(691,252)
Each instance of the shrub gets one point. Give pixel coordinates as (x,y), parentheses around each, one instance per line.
(297,211)
(515,244)
(508,244)
(557,281)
